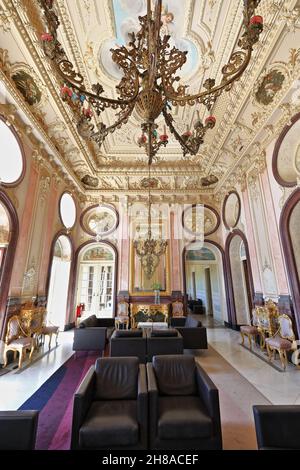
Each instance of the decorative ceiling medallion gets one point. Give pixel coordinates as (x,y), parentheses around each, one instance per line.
(209,180)
(27,87)
(90,181)
(269,86)
(152,183)
(99,220)
(198,222)
(231,210)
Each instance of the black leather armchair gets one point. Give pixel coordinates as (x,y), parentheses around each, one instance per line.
(110,408)
(129,343)
(193,333)
(183,405)
(160,342)
(277,427)
(93,333)
(18,429)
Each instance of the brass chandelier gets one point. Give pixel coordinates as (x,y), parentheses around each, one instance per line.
(149,84)
(150,249)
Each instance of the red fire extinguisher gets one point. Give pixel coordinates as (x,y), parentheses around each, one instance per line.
(79,310)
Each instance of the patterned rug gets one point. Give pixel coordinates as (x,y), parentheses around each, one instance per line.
(54,400)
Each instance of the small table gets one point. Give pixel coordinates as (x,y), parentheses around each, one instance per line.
(153,325)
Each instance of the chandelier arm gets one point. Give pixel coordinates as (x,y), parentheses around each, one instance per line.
(55,52)
(101,134)
(184,146)
(232,71)
(182,100)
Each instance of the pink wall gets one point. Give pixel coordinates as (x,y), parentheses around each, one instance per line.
(49,224)
(176,273)
(124,255)
(274,236)
(24,234)
(251,242)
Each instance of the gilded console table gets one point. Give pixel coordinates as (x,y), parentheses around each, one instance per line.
(148,313)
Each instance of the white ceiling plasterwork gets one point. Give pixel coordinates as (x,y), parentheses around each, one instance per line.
(244,125)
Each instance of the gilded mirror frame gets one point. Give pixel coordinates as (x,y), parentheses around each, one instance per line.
(141,293)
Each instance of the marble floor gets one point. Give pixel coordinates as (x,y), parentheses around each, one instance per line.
(277,387)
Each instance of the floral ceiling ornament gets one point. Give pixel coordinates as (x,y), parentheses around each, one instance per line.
(269,86)
(149,84)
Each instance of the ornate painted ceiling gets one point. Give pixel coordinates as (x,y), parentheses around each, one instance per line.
(248,117)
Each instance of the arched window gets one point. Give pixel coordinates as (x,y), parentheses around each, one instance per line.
(11,157)
(67,210)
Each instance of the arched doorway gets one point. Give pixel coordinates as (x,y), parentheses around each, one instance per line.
(96,279)
(9,230)
(290,236)
(204,277)
(59,282)
(240,280)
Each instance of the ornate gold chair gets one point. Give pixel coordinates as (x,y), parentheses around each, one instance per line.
(17,340)
(122,317)
(267,321)
(48,330)
(282,341)
(251,331)
(177,309)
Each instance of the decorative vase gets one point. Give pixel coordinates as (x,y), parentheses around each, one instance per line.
(157,296)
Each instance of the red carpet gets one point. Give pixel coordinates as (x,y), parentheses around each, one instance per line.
(54,400)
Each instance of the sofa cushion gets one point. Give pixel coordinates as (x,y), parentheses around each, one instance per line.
(129,333)
(162,333)
(192,322)
(183,418)
(117,378)
(110,423)
(175,374)
(106,322)
(89,322)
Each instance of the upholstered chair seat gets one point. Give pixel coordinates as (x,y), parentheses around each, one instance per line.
(21,342)
(183,418)
(50,331)
(110,422)
(279,343)
(248,329)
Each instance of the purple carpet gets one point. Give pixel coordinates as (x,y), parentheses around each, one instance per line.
(54,400)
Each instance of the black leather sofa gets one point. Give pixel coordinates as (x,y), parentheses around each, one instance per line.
(197,307)
(193,333)
(129,343)
(110,408)
(277,427)
(93,333)
(18,429)
(184,408)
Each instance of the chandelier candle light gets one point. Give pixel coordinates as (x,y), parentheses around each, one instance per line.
(149,84)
